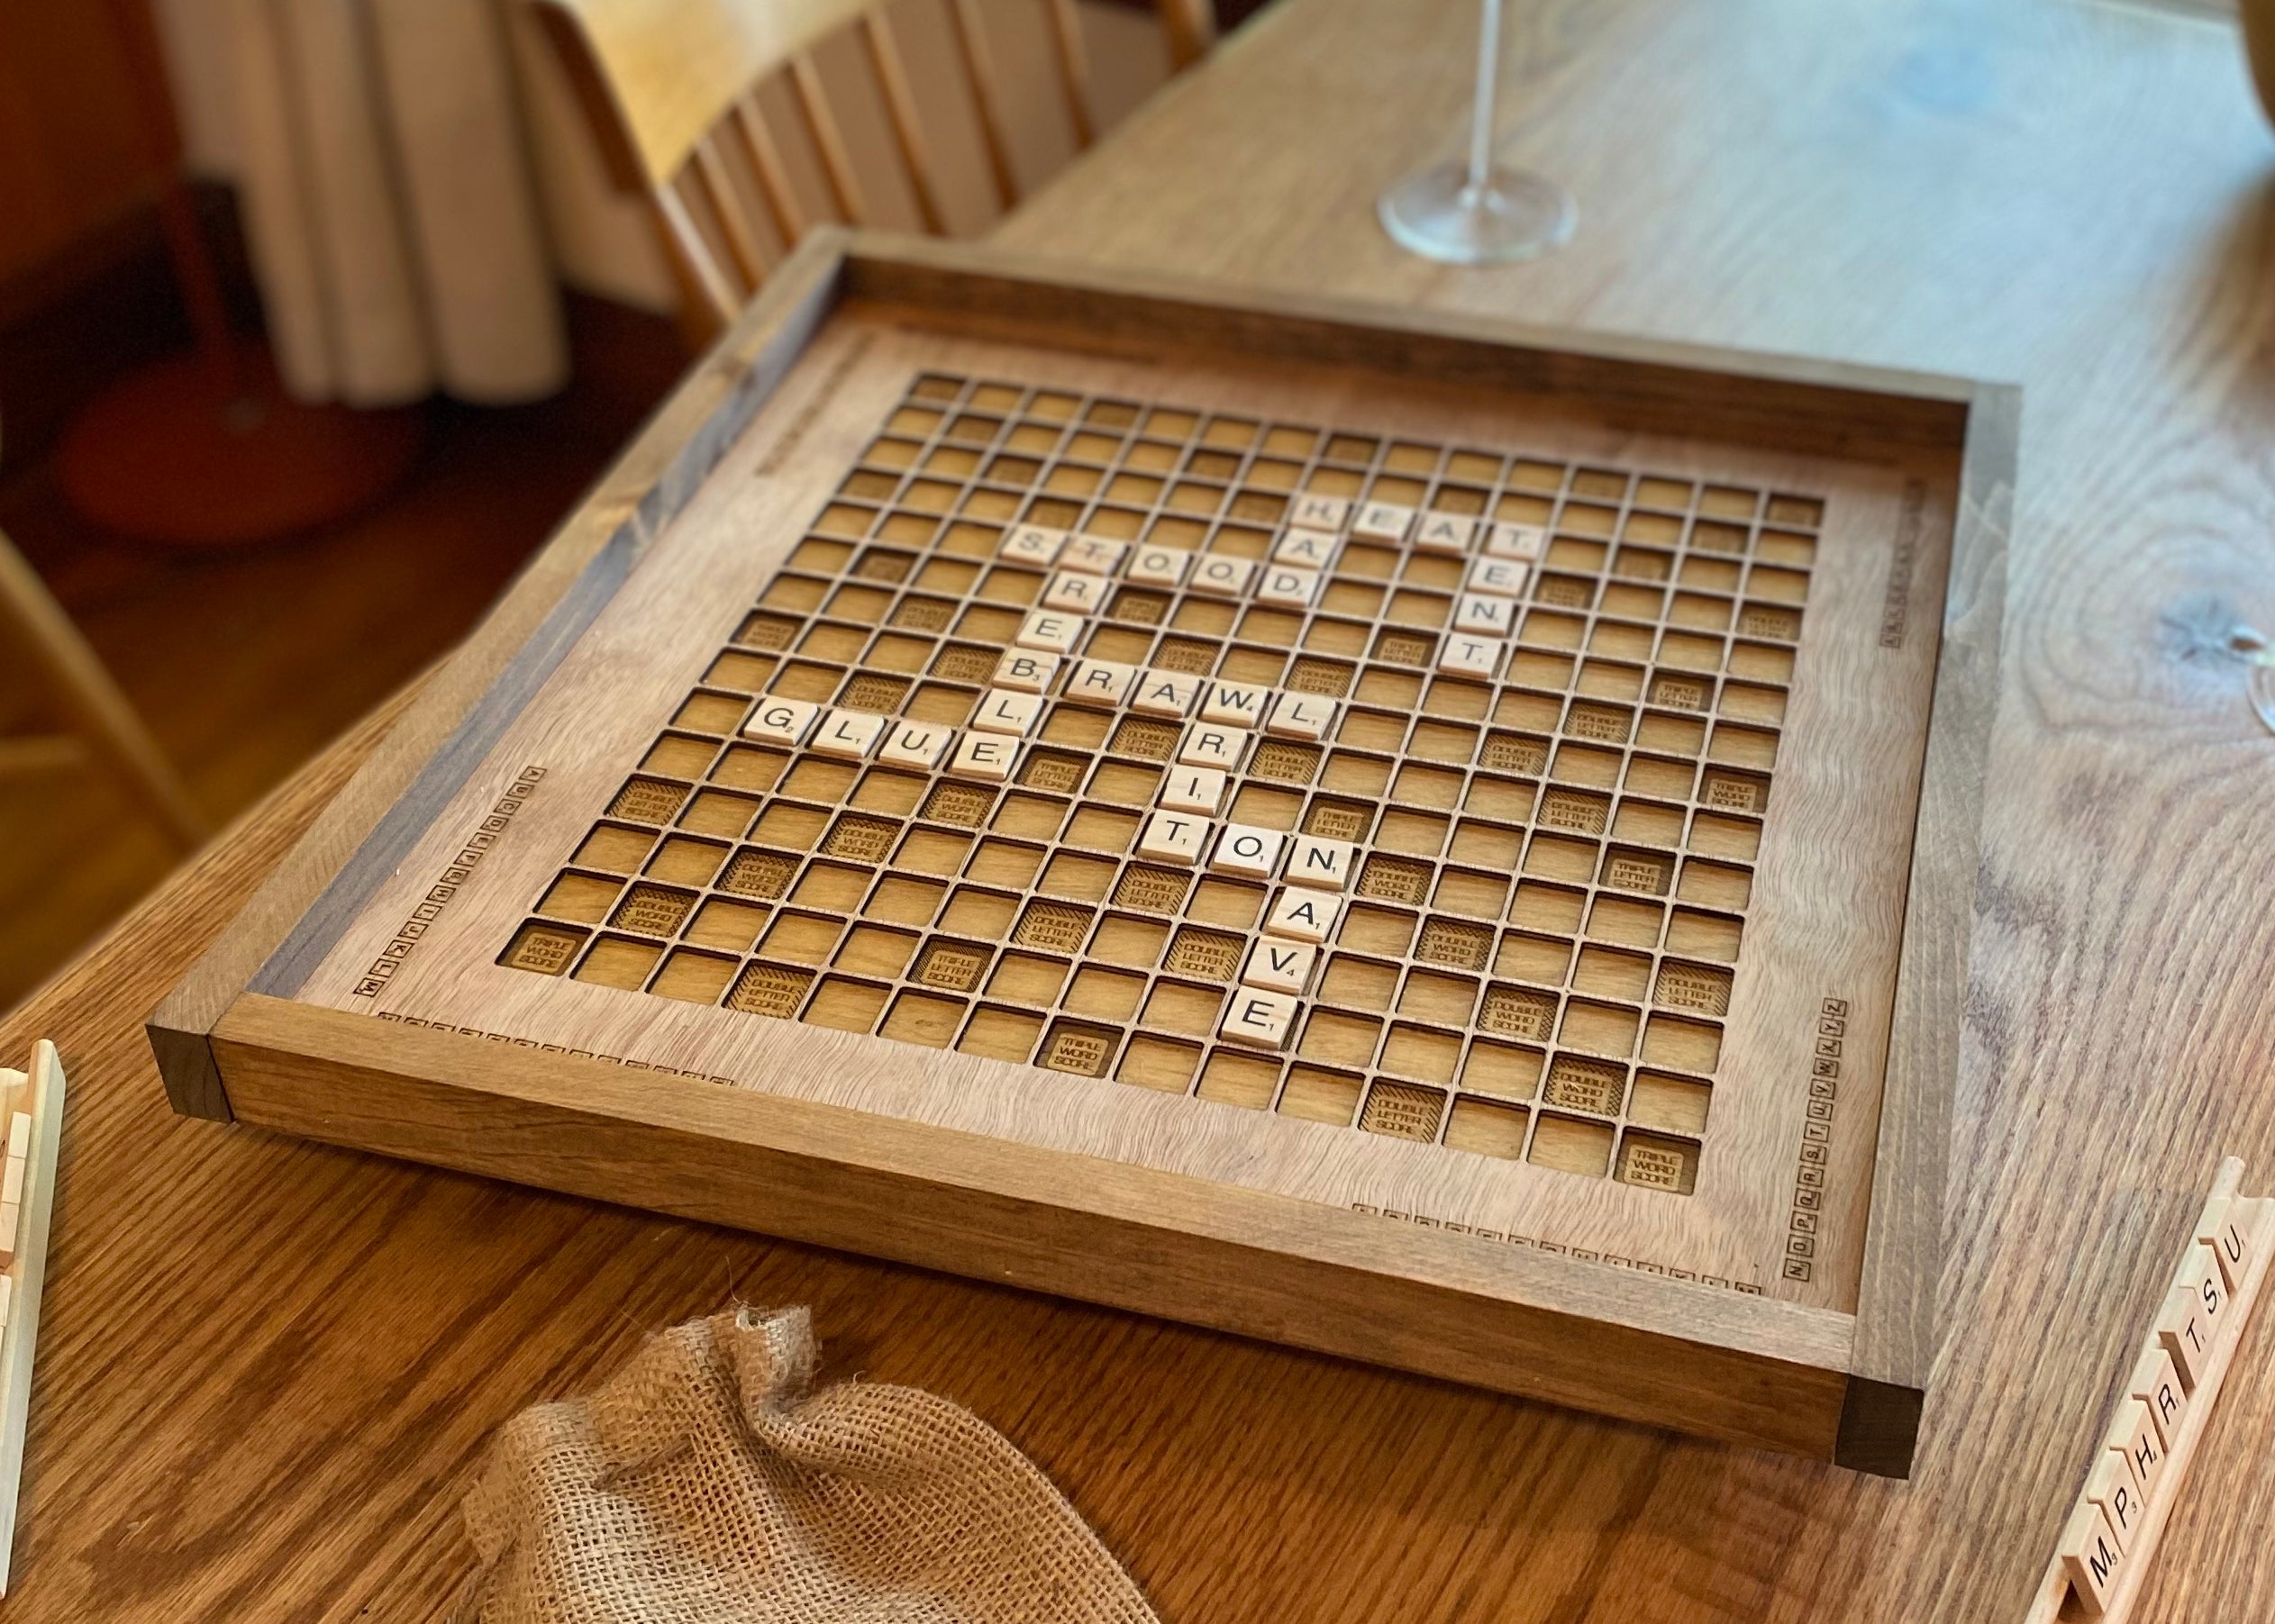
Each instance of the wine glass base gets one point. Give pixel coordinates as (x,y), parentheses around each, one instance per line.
(1514,215)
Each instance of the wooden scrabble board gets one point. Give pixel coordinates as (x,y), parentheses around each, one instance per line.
(1448,846)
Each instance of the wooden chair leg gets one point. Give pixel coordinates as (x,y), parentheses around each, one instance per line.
(97,710)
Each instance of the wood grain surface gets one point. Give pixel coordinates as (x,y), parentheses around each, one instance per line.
(267,1368)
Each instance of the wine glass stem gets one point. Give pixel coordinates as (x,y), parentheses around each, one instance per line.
(1488,85)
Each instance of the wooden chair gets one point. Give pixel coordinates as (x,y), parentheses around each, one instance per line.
(673,91)
(104,730)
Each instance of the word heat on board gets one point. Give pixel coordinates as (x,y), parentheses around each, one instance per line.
(1201,808)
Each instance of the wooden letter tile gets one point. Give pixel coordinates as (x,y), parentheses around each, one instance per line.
(1324,864)
(2229,1242)
(1049,630)
(1165,694)
(1007,711)
(848,734)
(1239,704)
(781,721)
(1383,521)
(2194,1318)
(2157,1385)
(915,743)
(1094,555)
(1028,672)
(1195,789)
(1445,532)
(1466,654)
(1032,543)
(1300,716)
(1100,682)
(2090,1554)
(1319,513)
(1250,853)
(1490,617)
(1074,592)
(1516,541)
(985,756)
(1306,549)
(2133,1436)
(1498,577)
(1304,915)
(1258,1017)
(1159,565)
(1173,838)
(1206,744)
(2110,1487)
(1287,583)
(1222,575)
(1279,966)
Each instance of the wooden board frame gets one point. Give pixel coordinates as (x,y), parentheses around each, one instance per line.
(1758,1371)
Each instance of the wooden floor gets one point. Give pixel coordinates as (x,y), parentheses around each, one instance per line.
(245,665)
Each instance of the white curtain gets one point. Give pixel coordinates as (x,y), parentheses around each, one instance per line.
(381,160)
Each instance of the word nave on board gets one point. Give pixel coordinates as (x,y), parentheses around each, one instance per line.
(1411,788)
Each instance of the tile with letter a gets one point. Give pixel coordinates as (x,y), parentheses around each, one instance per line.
(1222,575)
(1287,583)
(1094,555)
(1100,682)
(1383,521)
(1323,864)
(1028,672)
(1491,617)
(1074,592)
(848,734)
(1173,838)
(1445,532)
(1165,694)
(1306,549)
(1515,542)
(1206,744)
(1031,544)
(1195,789)
(1250,853)
(1466,654)
(1304,915)
(1159,565)
(1238,704)
(915,743)
(1320,513)
(781,721)
(987,757)
(1007,711)
(1300,716)
(1259,1017)
(1279,966)
(1049,630)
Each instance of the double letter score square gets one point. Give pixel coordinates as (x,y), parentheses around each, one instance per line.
(1173,838)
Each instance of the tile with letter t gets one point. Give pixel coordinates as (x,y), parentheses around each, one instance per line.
(2194,1318)
(1173,838)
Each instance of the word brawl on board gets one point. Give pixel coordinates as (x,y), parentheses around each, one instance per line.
(1405,787)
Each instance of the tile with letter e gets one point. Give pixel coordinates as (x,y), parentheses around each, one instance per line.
(1498,577)
(1383,521)
(1050,629)
(987,757)
(1258,1017)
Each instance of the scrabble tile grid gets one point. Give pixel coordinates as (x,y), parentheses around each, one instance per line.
(1616,1040)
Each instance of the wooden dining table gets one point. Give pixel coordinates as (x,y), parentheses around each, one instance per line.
(267,1369)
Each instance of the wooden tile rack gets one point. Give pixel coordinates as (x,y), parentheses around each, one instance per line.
(1441,843)
(31,1105)
(2108,1543)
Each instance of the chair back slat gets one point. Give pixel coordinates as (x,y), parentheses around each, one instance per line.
(900,112)
(677,93)
(987,94)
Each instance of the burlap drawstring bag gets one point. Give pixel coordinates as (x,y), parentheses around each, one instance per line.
(704,1484)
